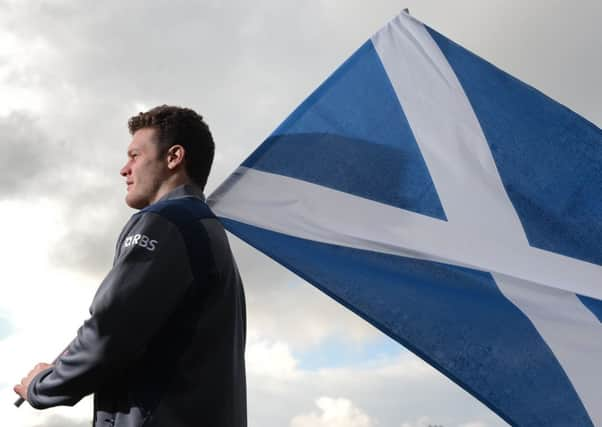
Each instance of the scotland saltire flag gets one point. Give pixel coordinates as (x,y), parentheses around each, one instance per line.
(452,206)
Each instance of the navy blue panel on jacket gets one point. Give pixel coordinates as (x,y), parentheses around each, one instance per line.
(164,345)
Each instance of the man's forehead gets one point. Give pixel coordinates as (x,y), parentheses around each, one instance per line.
(142,138)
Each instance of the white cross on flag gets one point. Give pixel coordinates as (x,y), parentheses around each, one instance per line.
(452,206)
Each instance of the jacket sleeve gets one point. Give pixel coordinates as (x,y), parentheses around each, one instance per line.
(149,278)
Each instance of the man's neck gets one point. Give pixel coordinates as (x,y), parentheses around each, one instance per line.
(171,184)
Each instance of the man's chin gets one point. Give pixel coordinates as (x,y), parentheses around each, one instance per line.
(135,202)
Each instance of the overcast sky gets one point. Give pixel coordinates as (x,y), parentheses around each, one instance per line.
(73,72)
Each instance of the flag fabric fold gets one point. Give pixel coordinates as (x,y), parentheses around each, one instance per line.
(452,206)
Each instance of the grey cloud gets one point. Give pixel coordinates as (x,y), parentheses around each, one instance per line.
(95,218)
(33,166)
(23,162)
(540,42)
(94,214)
(245,67)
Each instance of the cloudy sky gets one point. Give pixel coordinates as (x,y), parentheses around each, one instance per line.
(72,72)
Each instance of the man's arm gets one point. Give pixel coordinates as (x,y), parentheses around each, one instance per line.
(21,388)
(141,291)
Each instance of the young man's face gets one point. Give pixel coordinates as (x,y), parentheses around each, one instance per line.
(145,170)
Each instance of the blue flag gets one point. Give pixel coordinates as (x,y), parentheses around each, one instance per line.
(453,207)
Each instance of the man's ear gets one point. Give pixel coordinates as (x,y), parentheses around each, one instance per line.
(175,156)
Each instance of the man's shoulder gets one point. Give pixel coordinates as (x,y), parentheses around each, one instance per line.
(181,210)
(165,221)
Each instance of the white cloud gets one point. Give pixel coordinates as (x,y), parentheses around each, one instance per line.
(140,107)
(339,412)
(407,367)
(473,424)
(419,422)
(277,313)
(270,359)
(61,421)
(45,305)
(20,83)
(425,421)
(25,416)
(401,387)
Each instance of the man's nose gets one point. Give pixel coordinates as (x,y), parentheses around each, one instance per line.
(125,170)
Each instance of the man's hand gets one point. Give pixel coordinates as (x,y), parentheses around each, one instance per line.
(21,389)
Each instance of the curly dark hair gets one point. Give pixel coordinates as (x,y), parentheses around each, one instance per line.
(182,126)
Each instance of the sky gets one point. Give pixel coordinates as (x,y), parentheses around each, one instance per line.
(73,72)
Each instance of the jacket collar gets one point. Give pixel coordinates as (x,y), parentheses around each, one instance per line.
(185,190)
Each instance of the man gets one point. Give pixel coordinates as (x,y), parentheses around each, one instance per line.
(164,345)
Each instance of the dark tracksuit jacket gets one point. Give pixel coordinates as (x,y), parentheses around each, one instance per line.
(164,345)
